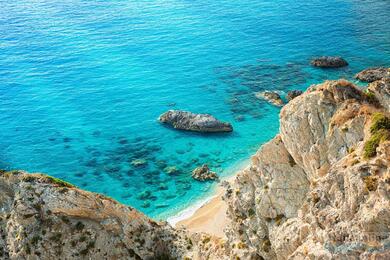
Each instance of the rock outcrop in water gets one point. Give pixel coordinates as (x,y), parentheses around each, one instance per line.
(329,62)
(194,122)
(321,188)
(272,97)
(203,173)
(373,74)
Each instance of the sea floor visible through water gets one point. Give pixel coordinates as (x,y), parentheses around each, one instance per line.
(83,83)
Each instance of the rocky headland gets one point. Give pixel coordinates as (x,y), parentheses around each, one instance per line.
(320,189)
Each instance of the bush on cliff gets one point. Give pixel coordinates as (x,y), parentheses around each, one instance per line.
(380,132)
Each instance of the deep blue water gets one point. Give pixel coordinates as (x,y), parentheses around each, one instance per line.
(83,82)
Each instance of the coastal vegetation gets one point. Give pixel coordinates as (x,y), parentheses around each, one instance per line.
(380,132)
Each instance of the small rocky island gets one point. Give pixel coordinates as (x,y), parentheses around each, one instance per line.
(189,121)
(329,62)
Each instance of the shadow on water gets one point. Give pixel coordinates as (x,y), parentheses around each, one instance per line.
(185,133)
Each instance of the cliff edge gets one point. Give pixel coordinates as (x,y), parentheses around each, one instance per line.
(45,218)
(321,188)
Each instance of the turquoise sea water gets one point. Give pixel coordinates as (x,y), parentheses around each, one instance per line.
(83,82)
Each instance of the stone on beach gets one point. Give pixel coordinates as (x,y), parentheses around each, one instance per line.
(329,62)
(373,74)
(272,97)
(185,120)
(203,173)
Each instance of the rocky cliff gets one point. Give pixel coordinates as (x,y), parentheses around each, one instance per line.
(45,218)
(319,190)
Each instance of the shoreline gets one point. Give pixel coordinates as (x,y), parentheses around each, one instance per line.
(208,215)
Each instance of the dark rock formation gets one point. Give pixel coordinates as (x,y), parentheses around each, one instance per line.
(373,74)
(203,173)
(194,122)
(329,62)
(293,94)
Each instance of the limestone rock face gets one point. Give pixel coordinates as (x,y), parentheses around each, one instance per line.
(194,122)
(272,97)
(373,74)
(42,218)
(329,62)
(203,173)
(310,193)
(381,90)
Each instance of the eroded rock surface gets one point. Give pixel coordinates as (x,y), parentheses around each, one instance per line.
(44,218)
(310,193)
(381,90)
(329,62)
(373,74)
(194,122)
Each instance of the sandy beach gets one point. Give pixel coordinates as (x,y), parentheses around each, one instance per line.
(210,218)
(210,215)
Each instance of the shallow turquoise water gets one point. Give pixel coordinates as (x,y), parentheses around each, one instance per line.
(82,83)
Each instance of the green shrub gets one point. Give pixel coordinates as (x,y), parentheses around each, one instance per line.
(379,121)
(251,212)
(59,182)
(374,141)
(380,132)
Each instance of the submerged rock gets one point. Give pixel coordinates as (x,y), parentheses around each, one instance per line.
(203,173)
(329,62)
(185,120)
(373,74)
(144,195)
(293,94)
(272,97)
(139,162)
(171,170)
